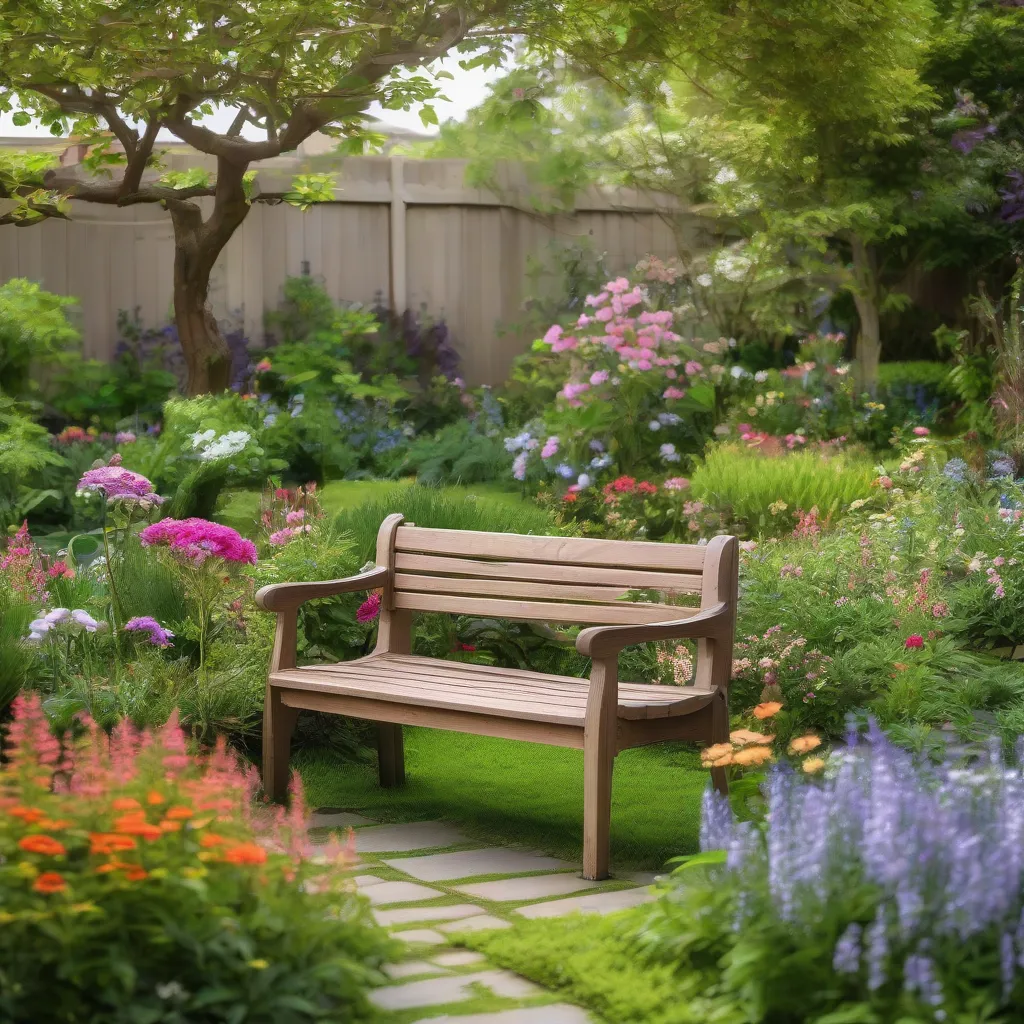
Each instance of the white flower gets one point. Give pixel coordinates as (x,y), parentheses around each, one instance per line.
(85,620)
(731,265)
(738,372)
(583,480)
(761,376)
(704,280)
(725,176)
(231,443)
(203,438)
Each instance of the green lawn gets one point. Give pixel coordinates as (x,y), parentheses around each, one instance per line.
(510,792)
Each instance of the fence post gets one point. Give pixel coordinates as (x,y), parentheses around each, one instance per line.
(399,297)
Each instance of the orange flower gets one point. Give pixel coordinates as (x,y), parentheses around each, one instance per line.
(54,824)
(49,882)
(136,874)
(136,825)
(29,815)
(126,803)
(154,798)
(179,812)
(109,842)
(46,845)
(752,755)
(899,666)
(813,764)
(212,839)
(113,865)
(767,709)
(712,754)
(246,853)
(169,826)
(804,744)
(743,736)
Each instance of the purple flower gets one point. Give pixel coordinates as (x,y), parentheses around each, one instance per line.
(846,958)
(1012,196)
(967,139)
(159,636)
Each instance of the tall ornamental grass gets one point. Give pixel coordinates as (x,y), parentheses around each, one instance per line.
(746,485)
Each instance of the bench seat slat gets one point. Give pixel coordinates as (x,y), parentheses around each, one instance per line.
(622,613)
(630,579)
(626,554)
(535,696)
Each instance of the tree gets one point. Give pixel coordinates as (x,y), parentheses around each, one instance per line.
(123,71)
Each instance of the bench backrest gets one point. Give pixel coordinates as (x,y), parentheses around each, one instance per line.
(551,579)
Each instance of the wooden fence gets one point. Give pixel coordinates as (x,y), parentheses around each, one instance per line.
(410,231)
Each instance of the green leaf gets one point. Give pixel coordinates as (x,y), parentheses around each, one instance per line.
(428,115)
(21,119)
(302,378)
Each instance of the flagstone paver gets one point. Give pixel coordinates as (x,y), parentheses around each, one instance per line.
(411,967)
(330,817)
(556,1013)
(480,923)
(529,887)
(438,867)
(451,989)
(362,881)
(593,903)
(415,835)
(425,935)
(398,892)
(406,915)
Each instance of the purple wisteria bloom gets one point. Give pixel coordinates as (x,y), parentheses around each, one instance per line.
(159,636)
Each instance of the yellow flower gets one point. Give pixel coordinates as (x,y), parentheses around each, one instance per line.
(859,503)
(804,744)
(194,872)
(259,965)
(83,908)
(813,764)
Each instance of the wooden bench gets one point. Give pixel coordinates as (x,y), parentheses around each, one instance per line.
(507,576)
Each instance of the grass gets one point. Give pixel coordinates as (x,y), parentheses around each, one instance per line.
(591,961)
(523,794)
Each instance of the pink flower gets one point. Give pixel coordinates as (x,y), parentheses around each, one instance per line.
(676,483)
(618,286)
(124,437)
(564,344)
(921,431)
(692,367)
(572,391)
(914,640)
(295,516)
(605,313)
(199,539)
(115,483)
(553,333)
(369,609)
(281,537)
(940,609)
(550,448)
(598,377)
(674,392)
(885,482)
(263,366)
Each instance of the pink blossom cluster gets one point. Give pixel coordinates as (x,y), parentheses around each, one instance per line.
(116,483)
(198,539)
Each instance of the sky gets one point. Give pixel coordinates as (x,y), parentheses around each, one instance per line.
(465,90)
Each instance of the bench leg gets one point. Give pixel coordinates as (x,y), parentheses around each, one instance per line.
(278,725)
(599,736)
(390,755)
(720,734)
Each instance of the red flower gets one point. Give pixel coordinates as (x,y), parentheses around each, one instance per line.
(645,487)
(570,496)
(49,882)
(467,647)
(46,845)
(624,484)
(914,640)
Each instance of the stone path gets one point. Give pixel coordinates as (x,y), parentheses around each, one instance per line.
(428,882)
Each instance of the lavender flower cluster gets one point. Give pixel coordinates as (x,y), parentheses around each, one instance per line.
(941,847)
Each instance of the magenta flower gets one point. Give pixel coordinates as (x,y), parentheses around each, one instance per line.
(369,609)
(159,636)
(922,431)
(281,537)
(199,539)
(914,640)
(116,483)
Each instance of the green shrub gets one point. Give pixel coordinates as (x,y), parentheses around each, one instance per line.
(456,454)
(743,484)
(917,389)
(25,452)
(141,888)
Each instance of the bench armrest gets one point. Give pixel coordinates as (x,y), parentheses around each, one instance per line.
(605,641)
(283,597)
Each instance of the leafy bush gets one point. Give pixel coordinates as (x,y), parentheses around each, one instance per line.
(457,454)
(892,889)
(137,884)
(761,494)
(35,335)
(25,452)
(919,390)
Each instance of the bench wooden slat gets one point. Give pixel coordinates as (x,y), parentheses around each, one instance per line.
(671,582)
(416,680)
(627,554)
(622,613)
(511,588)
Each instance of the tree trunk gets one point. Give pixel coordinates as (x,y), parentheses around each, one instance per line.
(197,244)
(868,349)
